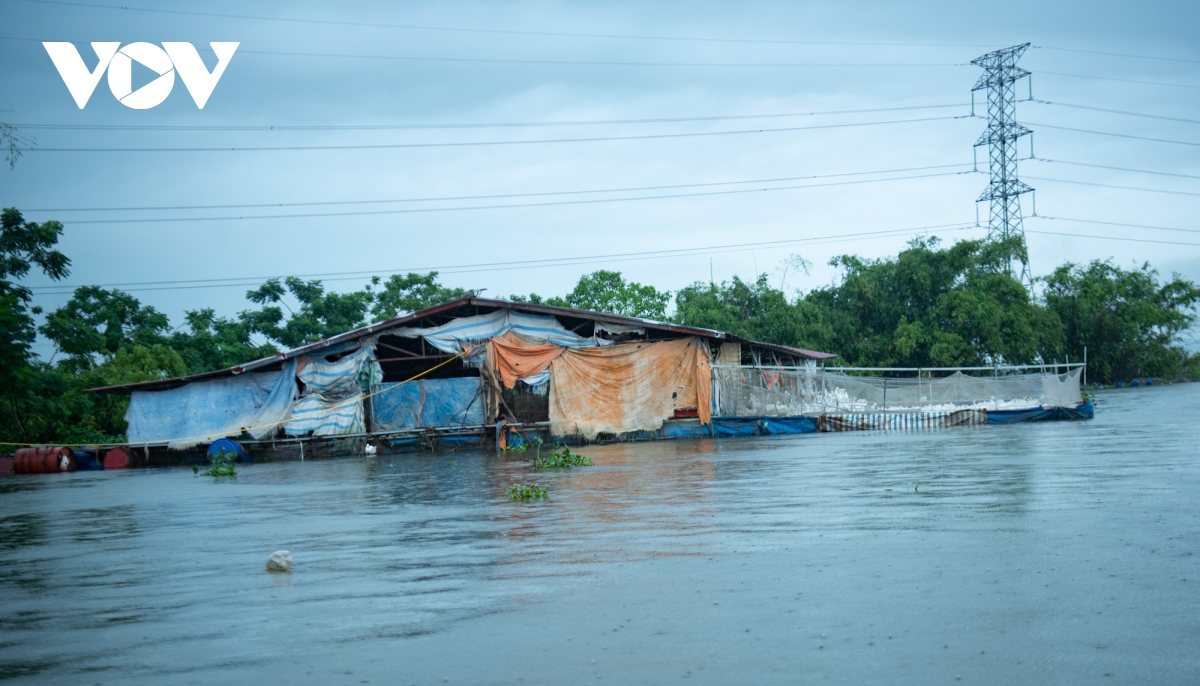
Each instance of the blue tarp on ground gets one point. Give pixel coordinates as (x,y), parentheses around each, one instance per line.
(731,426)
(788,425)
(427,403)
(204,411)
(734,426)
(685,428)
(1038,414)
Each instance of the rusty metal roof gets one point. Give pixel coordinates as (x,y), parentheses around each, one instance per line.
(465,301)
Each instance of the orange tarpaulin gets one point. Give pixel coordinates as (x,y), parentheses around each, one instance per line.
(515,357)
(629,387)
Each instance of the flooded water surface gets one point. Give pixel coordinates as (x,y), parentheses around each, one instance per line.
(1060,552)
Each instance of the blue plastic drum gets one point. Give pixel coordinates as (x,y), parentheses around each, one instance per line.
(231,447)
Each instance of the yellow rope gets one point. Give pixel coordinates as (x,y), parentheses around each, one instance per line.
(250,428)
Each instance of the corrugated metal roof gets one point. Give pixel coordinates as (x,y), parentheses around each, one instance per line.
(465,301)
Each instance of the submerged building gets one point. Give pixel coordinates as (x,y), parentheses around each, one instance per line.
(493,372)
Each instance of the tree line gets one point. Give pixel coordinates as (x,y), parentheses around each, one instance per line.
(930,305)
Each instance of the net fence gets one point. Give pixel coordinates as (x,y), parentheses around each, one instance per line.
(749,391)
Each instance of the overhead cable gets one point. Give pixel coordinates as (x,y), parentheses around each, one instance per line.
(1111,133)
(458,144)
(1109,185)
(1113,78)
(1105,166)
(423,210)
(1121,224)
(1111,238)
(514,32)
(484,125)
(1117,54)
(1110,111)
(584,63)
(494,196)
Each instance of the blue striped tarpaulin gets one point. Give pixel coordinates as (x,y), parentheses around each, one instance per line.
(900,421)
(326,417)
(460,334)
(332,403)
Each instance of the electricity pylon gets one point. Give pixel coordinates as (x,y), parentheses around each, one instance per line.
(1004,189)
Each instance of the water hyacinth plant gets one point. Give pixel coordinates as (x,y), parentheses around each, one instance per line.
(560,458)
(222,465)
(526,492)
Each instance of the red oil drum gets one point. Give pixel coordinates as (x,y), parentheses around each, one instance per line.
(117,458)
(43,460)
(5,464)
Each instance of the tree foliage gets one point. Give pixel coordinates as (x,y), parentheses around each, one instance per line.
(608,291)
(211,342)
(932,306)
(411,292)
(320,313)
(96,324)
(753,310)
(1129,321)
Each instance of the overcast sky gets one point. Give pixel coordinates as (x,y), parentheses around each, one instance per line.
(380,64)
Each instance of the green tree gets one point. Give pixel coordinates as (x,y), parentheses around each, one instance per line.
(24,245)
(319,314)
(608,291)
(142,363)
(96,324)
(410,293)
(752,310)
(1129,321)
(213,342)
(38,403)
(932,306)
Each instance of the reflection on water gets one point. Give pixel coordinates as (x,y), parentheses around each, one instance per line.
(157,575)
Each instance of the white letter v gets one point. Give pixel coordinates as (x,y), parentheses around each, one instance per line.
(200,83)
(75,73)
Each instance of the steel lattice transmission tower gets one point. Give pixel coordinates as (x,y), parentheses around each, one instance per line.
(1004,189)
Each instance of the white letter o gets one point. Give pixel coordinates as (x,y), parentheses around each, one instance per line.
(120,75)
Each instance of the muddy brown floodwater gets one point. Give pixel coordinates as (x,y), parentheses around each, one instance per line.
(1061,552)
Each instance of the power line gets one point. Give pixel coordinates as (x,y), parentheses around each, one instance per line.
(1117,54)
(585,63)
(592,139)
(1105,166)
(492,125)
(1111,78)
(1107,185)
(1117,135)
(181,284)
(1105,109)
(422,210)
(496,196)
(1110,238)
(561,34)
(1131,226)
(604,63)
